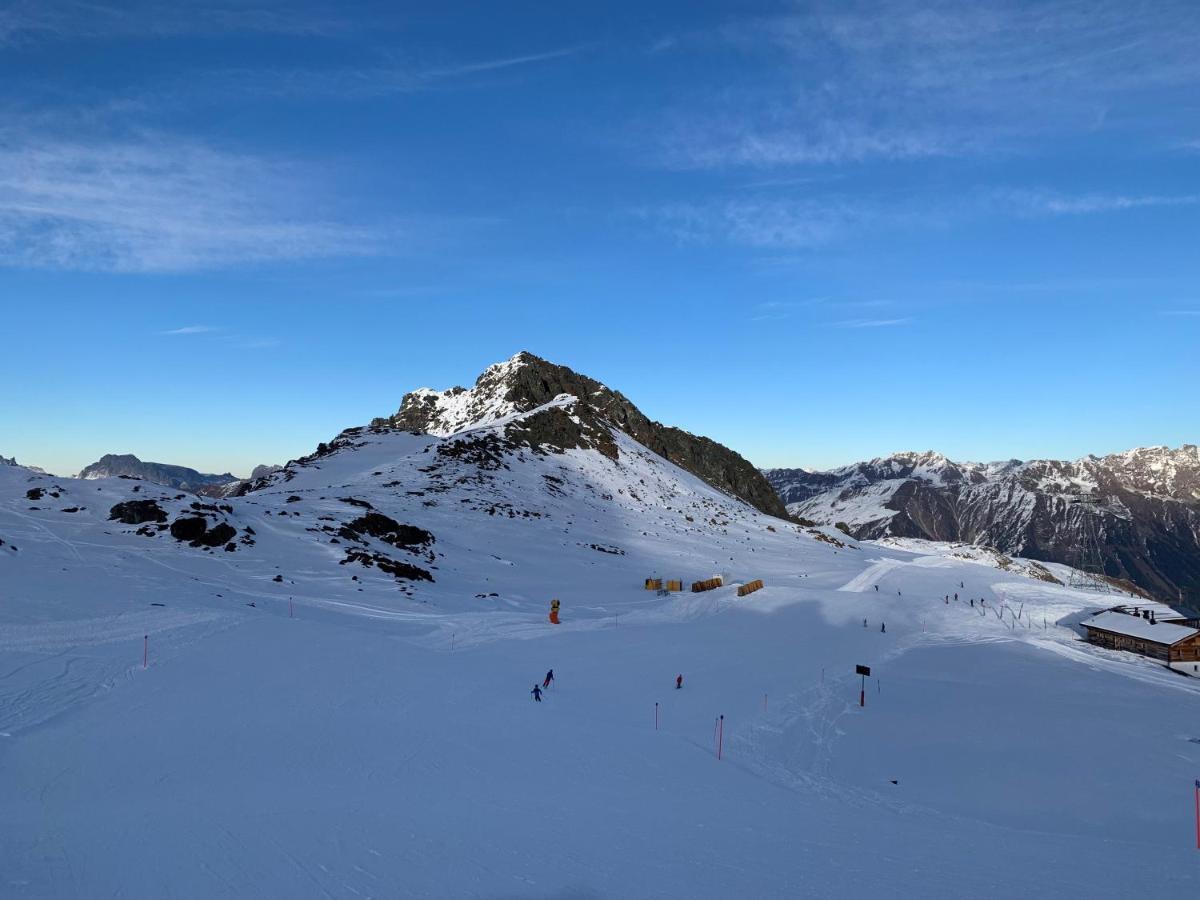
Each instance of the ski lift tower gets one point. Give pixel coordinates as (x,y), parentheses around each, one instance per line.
(1088,572)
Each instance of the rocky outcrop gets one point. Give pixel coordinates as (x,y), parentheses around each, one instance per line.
(1132,516)
(527,382)
(135,512)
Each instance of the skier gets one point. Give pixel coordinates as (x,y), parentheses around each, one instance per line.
(537,693)
(864,623)
(876,588)
(549,678)
(678,682)
(956,596)
(883,627)
(972,602)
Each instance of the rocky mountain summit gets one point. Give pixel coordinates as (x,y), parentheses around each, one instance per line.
(527,382)
(129,466)
(1133,515)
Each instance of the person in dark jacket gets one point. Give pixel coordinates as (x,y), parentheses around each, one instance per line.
(678,682)
(537,693)
(549,678)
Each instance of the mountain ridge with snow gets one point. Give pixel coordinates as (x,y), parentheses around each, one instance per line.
(1142,505)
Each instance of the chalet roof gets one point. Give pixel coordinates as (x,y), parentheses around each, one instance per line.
(1162,611)
(1137,627)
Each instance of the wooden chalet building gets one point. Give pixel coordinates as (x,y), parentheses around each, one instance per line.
(1161,640)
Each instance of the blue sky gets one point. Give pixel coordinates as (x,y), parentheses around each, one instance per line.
(816,232)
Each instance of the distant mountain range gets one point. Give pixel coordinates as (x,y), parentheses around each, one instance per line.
(129,466)
(1132,516)
(1142,507)
(181,477)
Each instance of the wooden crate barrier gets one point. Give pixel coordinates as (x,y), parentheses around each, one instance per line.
(706,585)
(750,587)
(653,584)
(675,585)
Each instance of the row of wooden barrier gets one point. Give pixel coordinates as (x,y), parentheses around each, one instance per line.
(656,584)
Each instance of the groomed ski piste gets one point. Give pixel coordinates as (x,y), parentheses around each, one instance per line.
(342,733)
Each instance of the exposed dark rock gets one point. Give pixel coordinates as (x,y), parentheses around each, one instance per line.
(35,493)
(390,531)
(219,534)
(189,529)
(400,570)
(135,512)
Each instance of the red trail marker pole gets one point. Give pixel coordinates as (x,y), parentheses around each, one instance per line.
(146,651)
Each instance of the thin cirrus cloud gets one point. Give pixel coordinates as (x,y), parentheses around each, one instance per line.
(223,335)
(816,220)
(192,329)
(158,204)
(871,323)
(31,20)
(351,83)
(1040,202)
(848,82)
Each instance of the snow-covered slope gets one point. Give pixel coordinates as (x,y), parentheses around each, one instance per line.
(336,701)
(1143,507)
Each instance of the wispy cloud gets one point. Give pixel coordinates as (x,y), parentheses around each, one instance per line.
(158,204)
(225,336)
(359,82)
(1181,312)
(795,224)
(27,20)
(845,81)
(1039,202)
(778,310)
(870,323)
(763,224)
(492,65)
(820,219)
(192,329)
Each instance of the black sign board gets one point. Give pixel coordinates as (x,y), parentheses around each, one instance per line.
(862,670)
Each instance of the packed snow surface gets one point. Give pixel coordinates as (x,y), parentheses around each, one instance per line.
(342,733)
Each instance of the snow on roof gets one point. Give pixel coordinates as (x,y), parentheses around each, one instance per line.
(1135,626)
(1162,611)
